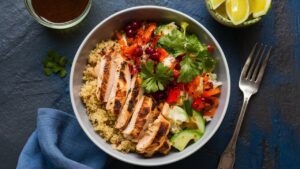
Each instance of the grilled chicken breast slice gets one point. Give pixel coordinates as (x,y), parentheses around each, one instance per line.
(165,110)
(154,138)
(116,82)
(110,76)
(103,76)
(165,148)
(134,95)
(123,87)
(148,137)
(138,119)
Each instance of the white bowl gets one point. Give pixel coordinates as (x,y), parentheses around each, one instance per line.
(105,30)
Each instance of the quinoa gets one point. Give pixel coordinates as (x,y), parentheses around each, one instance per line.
(102,121)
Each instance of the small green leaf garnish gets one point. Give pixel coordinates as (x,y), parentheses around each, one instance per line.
(47,71)
(155,78)
(62,73)
(54,63)
(187,105)
(188,70)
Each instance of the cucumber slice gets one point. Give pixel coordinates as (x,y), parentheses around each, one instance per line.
(199,121)
(178,114)
(180,140)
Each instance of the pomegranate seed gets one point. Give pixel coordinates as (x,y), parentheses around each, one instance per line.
(177,66)
(179,58)
(135,25)
(210,48)
(203,99)
(149,50)
(155,56)
(130,33)
(128,27)
(176,73)
(138,51)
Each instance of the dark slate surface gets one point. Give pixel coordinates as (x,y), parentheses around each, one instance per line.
(271,131)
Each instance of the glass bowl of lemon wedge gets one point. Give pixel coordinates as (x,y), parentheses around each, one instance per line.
(238,13)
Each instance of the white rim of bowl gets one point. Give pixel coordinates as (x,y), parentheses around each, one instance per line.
(204,140)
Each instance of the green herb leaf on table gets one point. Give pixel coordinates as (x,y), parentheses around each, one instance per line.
(54,63)
(155,78)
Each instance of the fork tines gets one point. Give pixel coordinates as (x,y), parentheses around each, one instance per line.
(256,63)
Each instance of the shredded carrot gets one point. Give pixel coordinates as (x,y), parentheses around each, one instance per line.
(148,32)
(129,50)
(154,41)
(162,54)
(211,92)
(192,87)
(211,112)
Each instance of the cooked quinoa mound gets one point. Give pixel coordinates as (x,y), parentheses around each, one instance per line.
(102,121)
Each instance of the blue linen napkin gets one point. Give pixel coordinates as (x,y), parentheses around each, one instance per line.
(59,142)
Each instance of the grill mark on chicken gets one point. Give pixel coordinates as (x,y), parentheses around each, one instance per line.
(163,129)
(165,148)
(133,100)
(134,95)
(117,106)
(114,85)
(140,121)
(160,137)
(105,78)
(123,85)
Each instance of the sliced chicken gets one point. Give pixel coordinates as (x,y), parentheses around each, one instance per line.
(139,119)
(155,111)
(148,137)
(103,76)
(165,148)
(165,110)
(114,73)
(134,95)
(154,138)
(120,64)
(123,87)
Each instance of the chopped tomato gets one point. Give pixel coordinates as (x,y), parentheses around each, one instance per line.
(210,48)
(198,104)
(173,95)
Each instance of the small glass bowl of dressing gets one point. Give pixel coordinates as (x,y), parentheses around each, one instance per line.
(58,14)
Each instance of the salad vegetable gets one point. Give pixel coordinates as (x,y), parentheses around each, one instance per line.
(176,70)
(155,78)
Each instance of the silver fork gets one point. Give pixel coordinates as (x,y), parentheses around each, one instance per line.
(249,83)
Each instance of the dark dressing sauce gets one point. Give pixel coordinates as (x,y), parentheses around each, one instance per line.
(59,11)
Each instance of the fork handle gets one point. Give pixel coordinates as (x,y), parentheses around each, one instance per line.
(228,157)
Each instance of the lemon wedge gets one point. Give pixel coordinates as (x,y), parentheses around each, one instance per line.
(216,3)
(237,10)
(259,7)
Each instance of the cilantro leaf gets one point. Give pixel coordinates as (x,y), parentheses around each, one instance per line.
(155,78)
(188,70)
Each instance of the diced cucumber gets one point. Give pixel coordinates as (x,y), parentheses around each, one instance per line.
(180,140)
(178,114)
(198,120)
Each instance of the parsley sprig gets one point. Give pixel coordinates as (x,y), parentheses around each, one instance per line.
(155,77)
(54,63)
(197,58)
